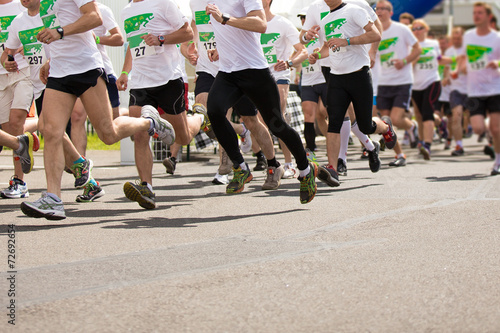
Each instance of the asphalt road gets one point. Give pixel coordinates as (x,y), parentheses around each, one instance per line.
(413,249)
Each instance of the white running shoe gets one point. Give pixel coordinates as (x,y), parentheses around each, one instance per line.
(246,142)
(162,127)
(46,207)
(17,189)
(290,172)
(220,179)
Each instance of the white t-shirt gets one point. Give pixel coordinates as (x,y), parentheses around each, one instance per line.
(480,50)
(277,44)
(22,32)
(319,9)
(238,49)
(108,23)
(375,75)
(344,23)
(425,70)
(311,74)
(396,43)
(153,66)
(8,12)
(460,84)
(74,54)
(205,39)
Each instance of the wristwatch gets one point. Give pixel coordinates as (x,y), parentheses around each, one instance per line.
(60,31)
(225,18)
(161,39)
(289,63)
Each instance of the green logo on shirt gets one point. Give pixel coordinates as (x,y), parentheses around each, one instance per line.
(269,38)
(135,41)
(423,60)
(201,17)
(323,15)
(312,42)
(386,56)
(206,36)
(29,36)
(334,25)
(137,22)
(5,21)
(33,49)
(46,6)
(387,43)
(270,54)
(426,50)
(476,52)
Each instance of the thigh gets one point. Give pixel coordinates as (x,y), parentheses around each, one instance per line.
(170,97)
(59,105)
(223,94)
(96,102)
(338,102)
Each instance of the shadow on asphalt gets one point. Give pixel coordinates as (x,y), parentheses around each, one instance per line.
(460,178)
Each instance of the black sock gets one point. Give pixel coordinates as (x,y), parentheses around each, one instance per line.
(273,163)
(259,154)
(310,135)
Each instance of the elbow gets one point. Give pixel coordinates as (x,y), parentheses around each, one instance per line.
(262,27)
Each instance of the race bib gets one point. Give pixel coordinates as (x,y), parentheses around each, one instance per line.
(386,60)
(337,50)
(139,48)
(477,56)
(34,54)
(308,68)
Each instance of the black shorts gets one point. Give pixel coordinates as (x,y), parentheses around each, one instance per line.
(76,84)
(444,107)
(204,82)
(114,97)
(314,93)
(245,107)
(482,105)
(169,97)
(426,100)
(393,96)
(457,98)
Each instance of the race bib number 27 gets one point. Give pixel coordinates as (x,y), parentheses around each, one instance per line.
(139,48)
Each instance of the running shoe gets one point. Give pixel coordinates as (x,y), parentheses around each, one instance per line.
(488,150)
(82,172)
(161,127)
(414,142)
(447,144)
(382,144)
(341,167)
(496,170)
(90,193)
(459,151)
(273,178)
(373,159)
(261,163)
(290,171)
(220,179)
(29,143)
(141,193)
(17,189)
(169,164)
(311,156)
(328,175)
(398,161)
(390,136)
(480,137)
(46,207)
(246,142)
(443,129)
(240,178)
(426,152)
(308,186)
(206,126)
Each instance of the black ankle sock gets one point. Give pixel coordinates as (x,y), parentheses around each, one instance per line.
(259,154)
(273,163)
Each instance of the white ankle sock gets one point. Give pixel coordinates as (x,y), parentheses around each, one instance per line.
(344,138)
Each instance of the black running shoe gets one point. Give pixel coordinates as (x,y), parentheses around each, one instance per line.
(261,164)
(328,175)
(90,193)
(341,167)
(488,150)
(373,159)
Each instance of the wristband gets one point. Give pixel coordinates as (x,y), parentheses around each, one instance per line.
(190,42)
(498,63)
(405,62)
(439,57)
(348,41)
(124,72)
(97,40)
(304,39)
(319,54)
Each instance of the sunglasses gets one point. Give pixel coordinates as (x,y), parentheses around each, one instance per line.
(417,28)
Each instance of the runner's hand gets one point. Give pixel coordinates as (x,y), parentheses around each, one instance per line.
(213,55)
(122,82)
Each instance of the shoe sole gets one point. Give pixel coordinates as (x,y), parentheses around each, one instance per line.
(326,178)
(33,212)
(425,153)
(133,194)
(169,166)
(21,196)
(95,197)
(228,191)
